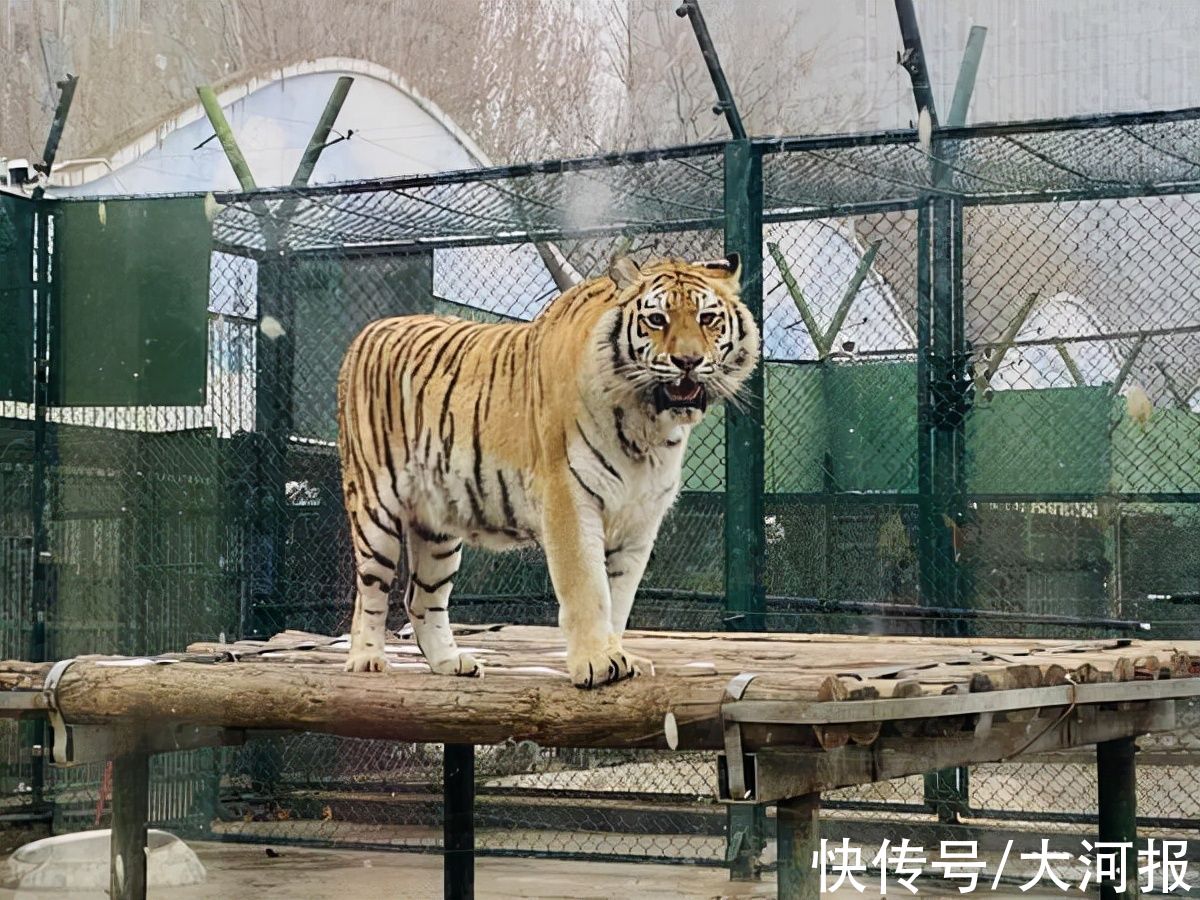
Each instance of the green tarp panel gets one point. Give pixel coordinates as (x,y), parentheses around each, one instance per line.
(852,426)
(1160,458)
(872,412)
(130,310)
(1040,442)
(16,298)
(334,299)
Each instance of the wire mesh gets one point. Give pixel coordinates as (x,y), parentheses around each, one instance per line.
(1012,453)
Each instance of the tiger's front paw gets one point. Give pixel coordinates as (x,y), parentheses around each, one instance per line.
(464,664)
(366,661)
(613,663)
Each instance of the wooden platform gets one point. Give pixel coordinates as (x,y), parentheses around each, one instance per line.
(792,715)
(823,691)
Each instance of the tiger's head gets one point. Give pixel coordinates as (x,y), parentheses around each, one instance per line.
(683,337)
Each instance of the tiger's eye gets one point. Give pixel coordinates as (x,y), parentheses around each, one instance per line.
(657,320)
(708,318)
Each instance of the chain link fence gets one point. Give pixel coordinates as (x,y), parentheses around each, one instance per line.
(981,416)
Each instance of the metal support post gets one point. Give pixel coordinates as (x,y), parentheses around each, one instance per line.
(797,829)
(45,449)
(130,810)
(745,541)
(745,839)
(317,142)
(943,403)
(274,356)
(941,408)
(458,822)
(1116,775)
(45,454)
(964,87)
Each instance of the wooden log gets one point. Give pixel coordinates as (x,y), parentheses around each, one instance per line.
(830,737)
(1006,678)
(412,706)
(1054,675)
(1147,667)
(1181,664)
(864,733)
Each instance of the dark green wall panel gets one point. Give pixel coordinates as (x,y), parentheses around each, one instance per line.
(130,312)
(16,298)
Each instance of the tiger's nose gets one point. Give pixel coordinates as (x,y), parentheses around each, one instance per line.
(686,363)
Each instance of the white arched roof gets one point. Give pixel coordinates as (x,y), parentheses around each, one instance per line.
(822,256)
(1062,316)
(396,132)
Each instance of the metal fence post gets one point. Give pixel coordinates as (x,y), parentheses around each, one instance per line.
(40,493)
(274,344)
(941,404)
(745,544)
(941,450)
(744,441)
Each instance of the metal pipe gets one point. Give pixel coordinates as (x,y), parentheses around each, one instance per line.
(725,101)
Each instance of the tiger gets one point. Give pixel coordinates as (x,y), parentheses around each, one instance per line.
(566,432)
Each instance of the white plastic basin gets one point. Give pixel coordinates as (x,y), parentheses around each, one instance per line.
(79,862)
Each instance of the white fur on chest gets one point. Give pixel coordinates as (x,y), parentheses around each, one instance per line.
(629,486)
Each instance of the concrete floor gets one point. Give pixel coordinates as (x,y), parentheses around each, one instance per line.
(240,870)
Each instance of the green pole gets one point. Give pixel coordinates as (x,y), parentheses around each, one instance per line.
(745,543)
(216,117)
(793,288)
(744,440)
(1127,364)
(66,95)
(320,134)
(725,101)
(1116,776)
(45,447)
(941,450)
(798,830)
(967,70)
(848,295)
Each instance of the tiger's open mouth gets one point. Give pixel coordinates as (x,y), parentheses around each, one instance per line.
(682,394)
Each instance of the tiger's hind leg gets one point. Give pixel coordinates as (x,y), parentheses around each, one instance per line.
(433,561)
(376,552)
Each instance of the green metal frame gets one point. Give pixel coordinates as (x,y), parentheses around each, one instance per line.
(745,541)
(745,443)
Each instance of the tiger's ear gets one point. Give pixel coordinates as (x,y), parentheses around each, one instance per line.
(624,272)
(729,267)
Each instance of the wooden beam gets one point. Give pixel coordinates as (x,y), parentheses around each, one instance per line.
(403,706)
(785,772)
